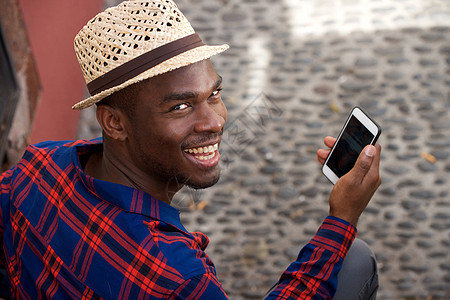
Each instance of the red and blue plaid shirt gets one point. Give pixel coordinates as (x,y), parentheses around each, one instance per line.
(66,235)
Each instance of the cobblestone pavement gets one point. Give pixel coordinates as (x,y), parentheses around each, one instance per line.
(293,72)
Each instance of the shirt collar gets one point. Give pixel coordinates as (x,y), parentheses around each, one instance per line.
(125,197)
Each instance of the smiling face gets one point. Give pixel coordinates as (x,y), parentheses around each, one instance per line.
(177,128)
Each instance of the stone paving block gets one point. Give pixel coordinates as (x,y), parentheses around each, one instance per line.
(315,60)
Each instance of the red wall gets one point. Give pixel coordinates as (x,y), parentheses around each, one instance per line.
(52,26)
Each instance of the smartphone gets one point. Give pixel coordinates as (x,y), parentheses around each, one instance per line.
(359,131)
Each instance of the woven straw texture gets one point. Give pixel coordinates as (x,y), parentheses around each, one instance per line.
(124,32)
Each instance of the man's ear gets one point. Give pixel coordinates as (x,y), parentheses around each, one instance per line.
(112,121)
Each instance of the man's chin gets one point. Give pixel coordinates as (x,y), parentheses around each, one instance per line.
(198,185)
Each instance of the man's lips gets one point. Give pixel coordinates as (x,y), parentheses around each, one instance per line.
(203,153)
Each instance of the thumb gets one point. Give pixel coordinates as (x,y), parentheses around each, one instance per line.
(365,159)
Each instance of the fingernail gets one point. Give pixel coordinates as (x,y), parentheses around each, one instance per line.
(370,151)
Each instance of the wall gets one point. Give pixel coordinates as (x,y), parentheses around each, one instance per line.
(52,26)
(27,77)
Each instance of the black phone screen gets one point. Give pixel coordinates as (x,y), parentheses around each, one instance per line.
(354,138)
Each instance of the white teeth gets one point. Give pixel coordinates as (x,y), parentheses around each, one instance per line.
(201,150)
(211,150)
(208,157)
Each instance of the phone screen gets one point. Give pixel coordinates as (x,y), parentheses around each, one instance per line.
(354,138)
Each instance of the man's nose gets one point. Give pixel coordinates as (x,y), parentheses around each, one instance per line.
(210,118)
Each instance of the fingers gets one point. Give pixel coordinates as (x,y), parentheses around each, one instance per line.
(322,155)
(329,141)
(363,164)
(374,171)
(353,191)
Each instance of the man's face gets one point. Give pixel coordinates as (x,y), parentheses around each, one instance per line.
(178,125)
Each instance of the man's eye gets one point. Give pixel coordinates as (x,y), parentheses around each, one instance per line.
(216,92)
(180,106)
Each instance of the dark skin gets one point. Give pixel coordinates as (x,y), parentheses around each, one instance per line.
(175,111)
(353,191)
(182,111)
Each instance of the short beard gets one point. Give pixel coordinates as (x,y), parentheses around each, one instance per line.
(174,176)
(201,185)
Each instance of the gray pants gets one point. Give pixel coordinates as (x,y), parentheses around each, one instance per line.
(358,278)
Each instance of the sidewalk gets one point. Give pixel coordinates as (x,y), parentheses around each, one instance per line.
(293,72)
(310,62)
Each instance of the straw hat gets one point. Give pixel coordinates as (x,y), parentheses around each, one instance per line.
(134,41)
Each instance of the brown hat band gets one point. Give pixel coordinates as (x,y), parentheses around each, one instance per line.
(143,63)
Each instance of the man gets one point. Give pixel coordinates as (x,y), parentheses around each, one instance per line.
(92,219)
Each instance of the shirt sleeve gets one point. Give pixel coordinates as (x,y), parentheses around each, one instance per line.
(201,287)
(314,274)
(5,187)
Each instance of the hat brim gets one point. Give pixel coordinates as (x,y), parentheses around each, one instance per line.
(181,60)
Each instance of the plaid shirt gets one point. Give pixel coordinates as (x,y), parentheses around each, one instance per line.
(66,235)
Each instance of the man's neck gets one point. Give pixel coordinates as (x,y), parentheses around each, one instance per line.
(100,166)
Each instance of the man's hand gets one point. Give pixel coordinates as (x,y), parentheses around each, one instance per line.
(353,191)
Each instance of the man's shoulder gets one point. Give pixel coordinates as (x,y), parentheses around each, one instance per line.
(52,145)
(58,154)
(47,149)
